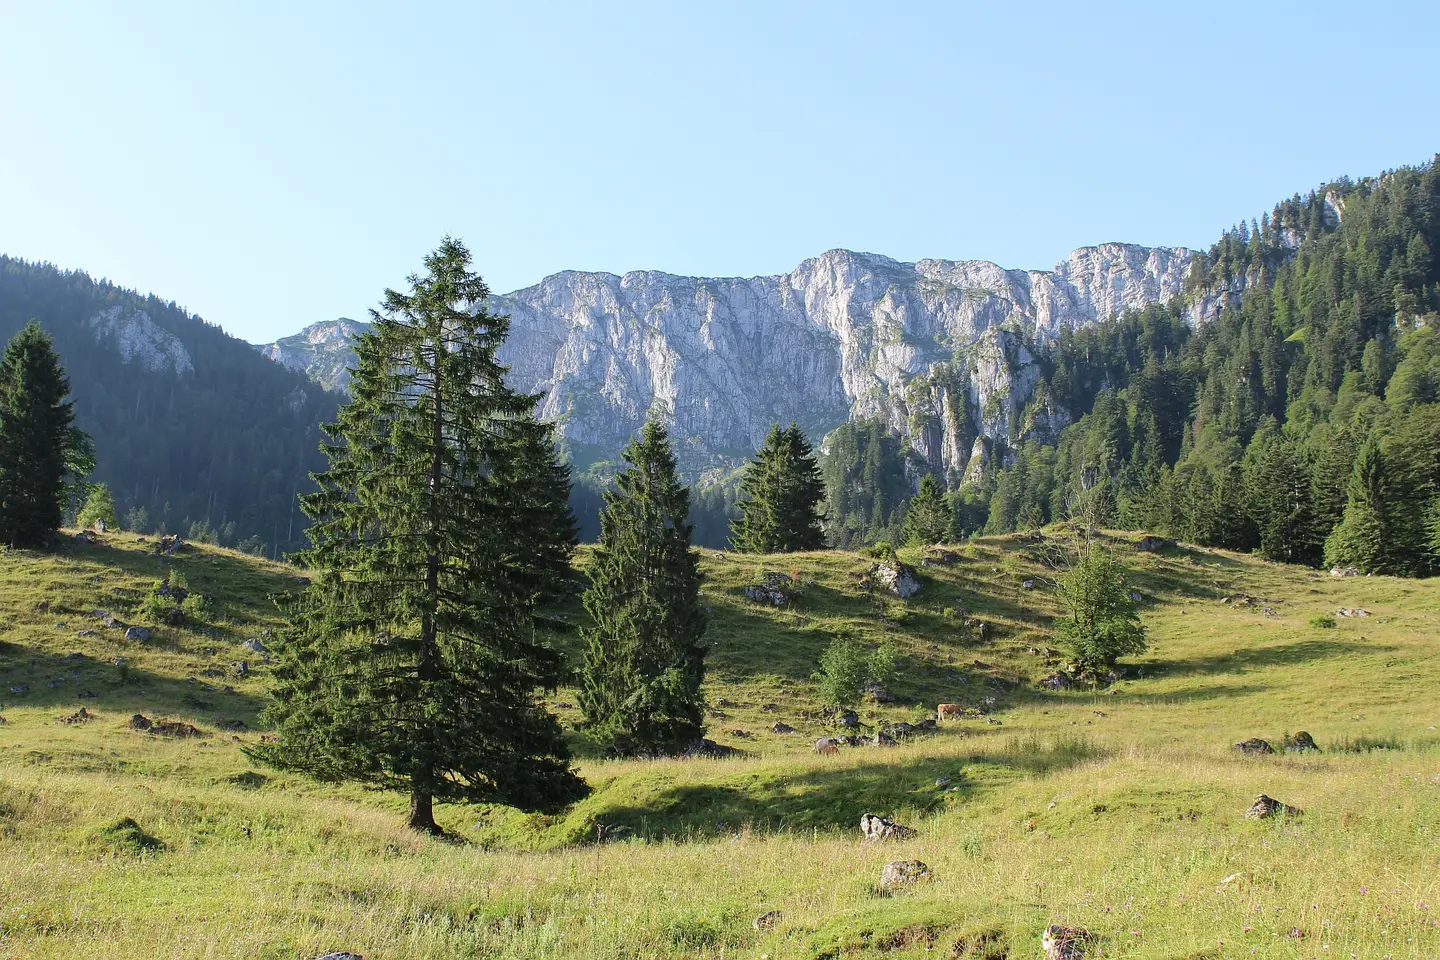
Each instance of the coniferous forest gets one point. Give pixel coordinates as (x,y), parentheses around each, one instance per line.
(1301,423)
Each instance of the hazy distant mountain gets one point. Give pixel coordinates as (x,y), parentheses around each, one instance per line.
(938,349)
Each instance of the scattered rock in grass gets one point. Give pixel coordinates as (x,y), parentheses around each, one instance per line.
(769,708)
(943,782)
(86,633)
(766,921)
(1136,596)
(20,689)
(877,829)
(876,693)
(741,734)
(234,726)
(827,745)
(1270,611)
(137,634)
(1064,943)
(899,874)
(902,730)
(111,623)
(775,589)
(1027,585)
(173,728)
(254,645)
(240,668)
(1150,544)
(782,727)
(1265,807)
(170,544)
(1254,747)
(1301,742)
(1356,612)
(992,721)
(940,558)
(78,717)
(847,719)
(989,703)
(342,955)
(705,747)
(882,739)
(898,578)
(1344,572)
(140,722)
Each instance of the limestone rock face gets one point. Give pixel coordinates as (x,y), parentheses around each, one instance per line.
(139,340)
(939,350)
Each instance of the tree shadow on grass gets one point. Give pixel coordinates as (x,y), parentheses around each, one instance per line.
(1294,654)
(832,800)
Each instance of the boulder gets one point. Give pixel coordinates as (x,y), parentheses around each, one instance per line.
(927,724)
(1352,612)
(170,545)
(846,719)
(782,727)
(1064,943)
(86,633)
(877,829)
(1266,807)
(899,874)
(140,722)
(253,645)
(137,634)
(1254,747)
(901,730)
(111,623)
(78,717)
(1344,572)
(876,693)
(937,557)
(1150,543)
(882,739)
(1058,681)
(898,579)
(709,748)
(1301,742)
(775,589)
(766,921)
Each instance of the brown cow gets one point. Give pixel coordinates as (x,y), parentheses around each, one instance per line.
(949,711)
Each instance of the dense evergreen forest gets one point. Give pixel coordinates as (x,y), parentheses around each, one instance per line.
(1302,422)
(215,445)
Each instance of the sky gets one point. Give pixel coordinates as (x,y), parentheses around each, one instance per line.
(271,165)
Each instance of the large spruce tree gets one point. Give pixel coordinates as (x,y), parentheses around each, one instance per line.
(35,439)
(411,662)
(643,661)
(781,494)
(929,518)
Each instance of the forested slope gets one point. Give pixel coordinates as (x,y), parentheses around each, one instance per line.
(191,426)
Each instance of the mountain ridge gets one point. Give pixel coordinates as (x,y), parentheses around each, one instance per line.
(935,348)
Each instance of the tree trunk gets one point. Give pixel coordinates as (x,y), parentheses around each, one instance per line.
(422,813)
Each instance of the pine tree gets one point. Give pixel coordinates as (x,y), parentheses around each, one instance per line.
(782,490)
(1359,540)
(644,665)
(440,531)
(36,437)
(929,518)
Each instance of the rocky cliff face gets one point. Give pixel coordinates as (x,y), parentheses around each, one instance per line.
(940,350)
(138,339)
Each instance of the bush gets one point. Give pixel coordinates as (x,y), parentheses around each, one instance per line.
(99,509)
(1101,623)
(1324,622)
(846,668)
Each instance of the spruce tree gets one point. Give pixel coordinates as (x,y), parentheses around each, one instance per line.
(36,436)
(929,518)
(1359,540)
(643,663)
(411,661)
(782,490)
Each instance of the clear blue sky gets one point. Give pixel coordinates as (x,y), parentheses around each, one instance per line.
(269,165)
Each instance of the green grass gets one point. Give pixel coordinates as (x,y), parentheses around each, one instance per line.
(1120,809)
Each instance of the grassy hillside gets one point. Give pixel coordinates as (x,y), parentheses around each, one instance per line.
(1121,810)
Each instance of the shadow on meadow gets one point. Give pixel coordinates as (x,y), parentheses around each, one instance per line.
(826,800)
(1293,654)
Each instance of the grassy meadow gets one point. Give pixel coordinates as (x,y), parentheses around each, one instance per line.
(1120,810)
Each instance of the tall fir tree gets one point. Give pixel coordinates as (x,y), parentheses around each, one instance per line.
(1359,540)
(929,518)
(644,664)
(36,439)
(441,530)
(781,495)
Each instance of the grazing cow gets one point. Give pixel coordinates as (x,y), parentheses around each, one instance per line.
(827,745)
(949,711)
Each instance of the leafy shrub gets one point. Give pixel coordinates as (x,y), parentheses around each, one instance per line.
(846,668)
(1324,622)
(1101,622)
